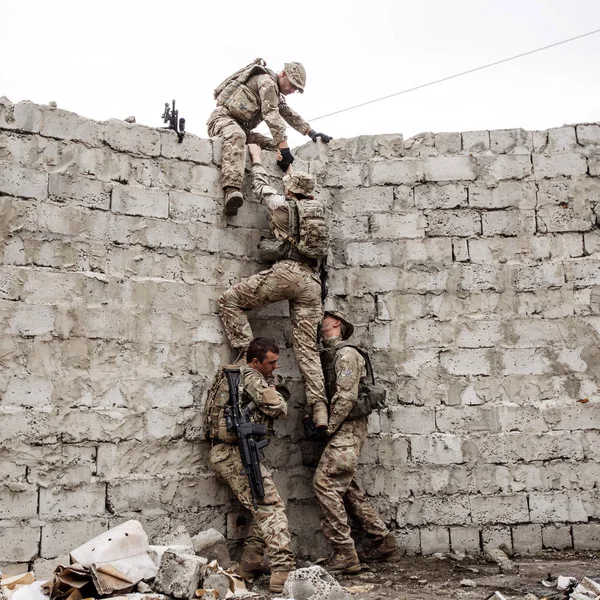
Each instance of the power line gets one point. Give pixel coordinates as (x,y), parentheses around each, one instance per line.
(424,85)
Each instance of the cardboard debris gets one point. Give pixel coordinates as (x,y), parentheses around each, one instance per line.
(68,583)
(10,582)
(236,585)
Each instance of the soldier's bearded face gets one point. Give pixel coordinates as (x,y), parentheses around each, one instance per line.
(267,367)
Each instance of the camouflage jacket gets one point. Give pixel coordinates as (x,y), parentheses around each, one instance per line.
(270,404)
(271,107)
(349,368)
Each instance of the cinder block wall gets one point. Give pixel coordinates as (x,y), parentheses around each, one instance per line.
(470,264)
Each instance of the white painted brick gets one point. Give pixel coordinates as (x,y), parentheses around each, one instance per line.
(434,539)
(499,509)
(465,539)
(453,195)
(466,362)
(562,163)
(588,134)
(449,168)
(398,226)
(79,190)
(19,543)
(405,170)
(66,125)
(458,223)
(139,201)
(59,538)
(557,537)
(25,183)
(132,138)
(62,502)
(504,194)
(508,222)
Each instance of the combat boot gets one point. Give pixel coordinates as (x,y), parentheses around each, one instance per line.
(384,550)
(233,200)
(278,579)
(251,565)
(319,415)
(342,561)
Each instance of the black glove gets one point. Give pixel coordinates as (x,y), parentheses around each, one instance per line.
(311,432)
(286,159)
(314,135)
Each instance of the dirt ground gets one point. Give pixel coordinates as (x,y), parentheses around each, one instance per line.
(433,578)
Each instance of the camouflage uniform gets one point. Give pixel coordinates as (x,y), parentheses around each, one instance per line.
(290,279)
(270,524)
(264,103)
(334,480)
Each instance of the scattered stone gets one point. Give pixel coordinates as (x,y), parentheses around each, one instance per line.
(144,588)
(52,104)
(177,537)
(213,546)
(130,119)
(156,552)
(468,583)
(179,575)
(415,577)
(440,556)
(422,581)
(499,557)
(218,582)
(457,556)
(313,583)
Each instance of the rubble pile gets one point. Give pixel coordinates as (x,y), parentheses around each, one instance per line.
(122,563)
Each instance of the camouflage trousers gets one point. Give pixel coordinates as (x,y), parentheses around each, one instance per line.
(337,491)
(269,522)
(285,280)
(235,137)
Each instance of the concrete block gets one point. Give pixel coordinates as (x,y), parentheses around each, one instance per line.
(543,276)
(553,219)
(465,539)
(556,507)
(504,194)
(588,134)
(448,143)
(479,334)
(437,449)
(454,223)
(192,148)
(586,273)
(213,546)
(396,172)
(427,333)
(586,537)
(44,568)
(29,392)
(139,201)
(137,495)
(460,250)
(433,196)
(342,175)
(467,362)
(525,361)
(474,142)
(61,537)
(179,575)
(74,189)
(66,502)
(363,200)
(66,125)
(369,254)
(19,543)
(397,226)
(493,537)
(24,116)
(482,277)
(499,509)
(434,539)
(21,182)
(449,168)
(408,419)
(527,539)
(132,138)
(30,320)
(508,222)
(445,510)
(465,419)
(18,501)
(561,139)
(510,141)
(184,206)
(558,537)
(566,164)
(504,166)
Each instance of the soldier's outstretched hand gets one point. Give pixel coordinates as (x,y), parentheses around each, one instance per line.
(255,152)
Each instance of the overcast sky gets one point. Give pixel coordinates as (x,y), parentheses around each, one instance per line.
(111,59)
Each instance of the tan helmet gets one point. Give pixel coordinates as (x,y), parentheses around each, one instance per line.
(347,327)
(299,182)
(296,73)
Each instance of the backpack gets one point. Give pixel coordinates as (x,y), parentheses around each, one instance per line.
(240,77)
(371,395)
(214,424)
(309,233)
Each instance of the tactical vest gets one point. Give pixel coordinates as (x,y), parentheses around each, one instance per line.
(371,396)
(308,237)
(233,93)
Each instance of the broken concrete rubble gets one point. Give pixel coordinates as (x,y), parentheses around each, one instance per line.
(156,552)
(212,545)
(499,557)
(177,537)
(313,583)
(179,575)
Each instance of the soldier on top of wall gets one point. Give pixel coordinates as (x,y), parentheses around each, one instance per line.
(246,98)
(301,241)
(347,369)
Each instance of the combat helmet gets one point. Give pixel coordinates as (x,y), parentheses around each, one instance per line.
(296,73)
(299,182)
(347,327)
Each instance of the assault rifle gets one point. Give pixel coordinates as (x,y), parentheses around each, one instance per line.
(238,421)
(171,116)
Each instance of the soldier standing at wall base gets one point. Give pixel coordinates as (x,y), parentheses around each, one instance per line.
(269,524)
(244,100)
(334,481)
(297,221)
